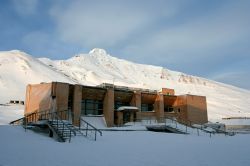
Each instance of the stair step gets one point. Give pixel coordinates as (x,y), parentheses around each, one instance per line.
(55,123)
(64,131)
(65,135)
(60,131)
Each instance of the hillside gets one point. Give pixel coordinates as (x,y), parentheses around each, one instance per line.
(17,69)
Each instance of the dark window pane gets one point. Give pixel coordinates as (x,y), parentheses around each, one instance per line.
(147,107)
(92,107)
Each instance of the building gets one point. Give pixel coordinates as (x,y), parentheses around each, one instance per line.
(117,104)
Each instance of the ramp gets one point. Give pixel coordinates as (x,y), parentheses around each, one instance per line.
(97,121)
(163,128)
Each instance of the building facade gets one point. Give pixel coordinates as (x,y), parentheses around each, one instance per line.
(117,104)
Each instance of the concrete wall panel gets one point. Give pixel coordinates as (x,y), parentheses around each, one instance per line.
(76,107)
(108,107)
(159,106)
(166,91)
(38,97)
(197,109)
(136,100)
(62,93)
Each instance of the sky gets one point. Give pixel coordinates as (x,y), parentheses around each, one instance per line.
(207,38)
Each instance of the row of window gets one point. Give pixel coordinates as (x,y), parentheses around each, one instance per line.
(95,107)
(91,107)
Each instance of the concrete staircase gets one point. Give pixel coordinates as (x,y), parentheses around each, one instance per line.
(59,124)
(174,126)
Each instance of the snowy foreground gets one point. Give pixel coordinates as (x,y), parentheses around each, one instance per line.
(122,148)
(140,148)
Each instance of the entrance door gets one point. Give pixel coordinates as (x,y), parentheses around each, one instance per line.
(126,117)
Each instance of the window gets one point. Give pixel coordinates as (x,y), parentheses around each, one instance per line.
(147,107)
(92,107)
(168,109)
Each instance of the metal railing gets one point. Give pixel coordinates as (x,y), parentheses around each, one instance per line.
(89,130)
(44,115)
(55,119)
(183,125)
(61,128)
(58,118)
(17,121)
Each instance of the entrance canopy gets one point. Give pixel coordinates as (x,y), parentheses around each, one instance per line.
(127,108)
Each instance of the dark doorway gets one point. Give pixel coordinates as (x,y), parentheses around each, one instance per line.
(126,116)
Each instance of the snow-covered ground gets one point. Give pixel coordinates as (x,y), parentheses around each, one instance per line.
(122,148)
(140,148)
(98,66)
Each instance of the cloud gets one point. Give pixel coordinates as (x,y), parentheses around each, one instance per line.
(25,7)
(206,38)
(105,23)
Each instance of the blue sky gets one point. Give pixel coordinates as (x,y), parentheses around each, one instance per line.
(207,38)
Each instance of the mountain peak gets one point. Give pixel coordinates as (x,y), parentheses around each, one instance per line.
(98,51)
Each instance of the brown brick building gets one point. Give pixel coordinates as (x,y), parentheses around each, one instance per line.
(117,104)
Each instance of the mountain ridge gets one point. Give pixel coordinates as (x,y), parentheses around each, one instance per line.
(98,67)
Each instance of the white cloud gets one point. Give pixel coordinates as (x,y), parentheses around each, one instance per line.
(206,36)
(25,7)
(103,23)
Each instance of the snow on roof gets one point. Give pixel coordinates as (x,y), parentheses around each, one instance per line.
(122,108)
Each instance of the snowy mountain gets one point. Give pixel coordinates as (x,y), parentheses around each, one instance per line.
(17,69)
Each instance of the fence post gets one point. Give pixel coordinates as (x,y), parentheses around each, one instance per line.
(87,130)
(25,123)
(69,136)
(79,123)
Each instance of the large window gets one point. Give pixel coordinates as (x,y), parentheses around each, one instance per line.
(92,107)
(147,107)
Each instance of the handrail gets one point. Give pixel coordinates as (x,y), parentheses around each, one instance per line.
(91,126)
(186,123)
(14,121)
(57,118)
(230,133)
(87,127)
(46,114)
